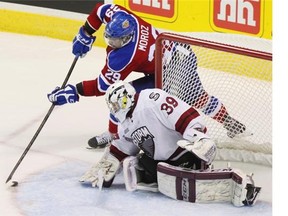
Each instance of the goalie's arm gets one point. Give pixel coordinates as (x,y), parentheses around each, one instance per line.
(198,142)
(179,116)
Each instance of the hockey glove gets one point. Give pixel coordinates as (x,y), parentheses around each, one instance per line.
(103,172)
(203,148)
(63,96)
(82,43)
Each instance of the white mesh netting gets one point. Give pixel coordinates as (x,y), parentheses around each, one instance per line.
(230,86)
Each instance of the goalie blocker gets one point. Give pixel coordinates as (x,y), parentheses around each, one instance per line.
(211,185)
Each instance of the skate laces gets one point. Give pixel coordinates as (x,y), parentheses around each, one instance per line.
(104,138)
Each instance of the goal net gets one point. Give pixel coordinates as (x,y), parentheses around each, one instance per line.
(217,76)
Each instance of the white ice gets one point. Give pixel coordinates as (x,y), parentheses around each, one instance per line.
(48,176)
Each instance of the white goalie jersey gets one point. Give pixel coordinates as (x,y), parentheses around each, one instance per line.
(156,124)
(158,121)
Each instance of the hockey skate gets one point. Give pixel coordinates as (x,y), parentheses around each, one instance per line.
(236,129)
(252,192)
(100,141)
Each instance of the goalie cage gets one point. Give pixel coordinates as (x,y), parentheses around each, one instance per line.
(239,76)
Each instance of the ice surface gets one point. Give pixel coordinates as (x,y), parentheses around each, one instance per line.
(48,176)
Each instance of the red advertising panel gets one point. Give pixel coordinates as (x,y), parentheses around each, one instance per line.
(162,8)
(238,15)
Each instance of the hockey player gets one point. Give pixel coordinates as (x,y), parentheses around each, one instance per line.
(131,44)
(161,139)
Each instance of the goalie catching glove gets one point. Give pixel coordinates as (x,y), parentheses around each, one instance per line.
(62,96)
(199,144)
(103,172)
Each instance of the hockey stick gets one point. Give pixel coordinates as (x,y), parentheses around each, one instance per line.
(42,123)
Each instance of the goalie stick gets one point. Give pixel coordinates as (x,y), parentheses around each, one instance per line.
(42,123)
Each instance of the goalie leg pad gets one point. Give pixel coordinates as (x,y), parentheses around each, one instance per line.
(218,185)
(133,176)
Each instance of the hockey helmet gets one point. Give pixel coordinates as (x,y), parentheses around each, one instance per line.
(120,30)
(120,99)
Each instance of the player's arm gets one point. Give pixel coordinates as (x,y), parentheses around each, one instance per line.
(98,86)
(119,64)
(197,141)
(83,41)
(190,124)
(178,115)
(89,88)
(95,87)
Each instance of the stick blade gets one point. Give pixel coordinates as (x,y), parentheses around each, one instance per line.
(8,179)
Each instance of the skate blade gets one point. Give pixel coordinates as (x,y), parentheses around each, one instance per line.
(96,149)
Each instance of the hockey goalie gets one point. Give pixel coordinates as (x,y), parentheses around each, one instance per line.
(163,146)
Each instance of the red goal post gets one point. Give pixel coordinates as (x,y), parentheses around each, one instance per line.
(240,76)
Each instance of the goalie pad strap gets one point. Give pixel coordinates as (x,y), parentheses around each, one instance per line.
(186,173)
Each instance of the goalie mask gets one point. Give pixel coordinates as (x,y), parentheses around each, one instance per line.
(120,99)
(120,30)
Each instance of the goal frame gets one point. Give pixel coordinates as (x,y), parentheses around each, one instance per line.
(245,152)
(201,43)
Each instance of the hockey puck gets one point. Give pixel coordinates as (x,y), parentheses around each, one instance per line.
(14,183)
